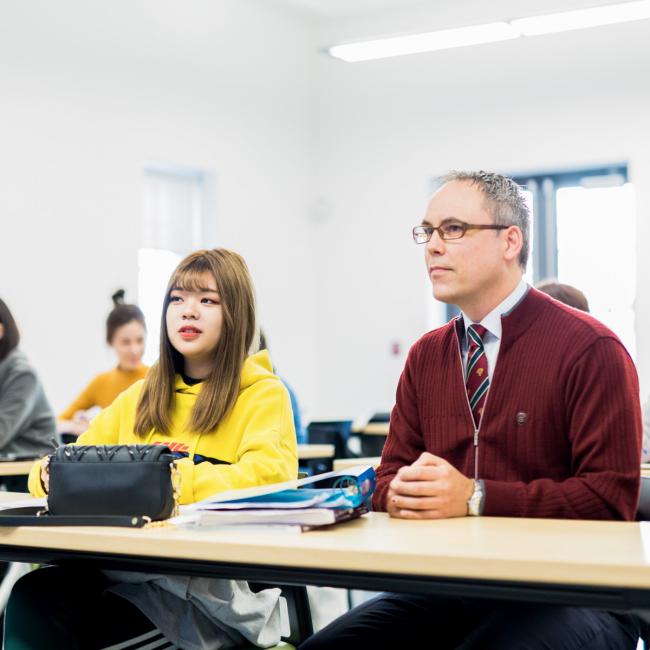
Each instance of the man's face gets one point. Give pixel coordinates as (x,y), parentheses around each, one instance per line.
(463,270)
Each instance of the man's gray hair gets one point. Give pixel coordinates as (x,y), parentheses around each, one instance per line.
(504,200)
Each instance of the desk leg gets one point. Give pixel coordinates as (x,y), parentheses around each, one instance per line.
(299,613)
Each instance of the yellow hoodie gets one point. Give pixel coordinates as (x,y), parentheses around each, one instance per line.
(254,444)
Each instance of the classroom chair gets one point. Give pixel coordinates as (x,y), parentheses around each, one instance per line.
(643,509)
(296,615)
(374,445)
(643,514)
(14,571)
(332,432)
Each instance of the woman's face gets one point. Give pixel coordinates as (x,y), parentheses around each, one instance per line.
(128,343)
(194,322)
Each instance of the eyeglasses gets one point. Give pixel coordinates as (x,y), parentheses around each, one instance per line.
(450,229)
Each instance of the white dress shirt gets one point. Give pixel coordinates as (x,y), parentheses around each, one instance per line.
(492,323)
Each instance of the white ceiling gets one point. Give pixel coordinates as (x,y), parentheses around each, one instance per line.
(499,8)
(341,8)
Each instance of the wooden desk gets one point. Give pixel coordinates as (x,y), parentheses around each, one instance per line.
(372,438)
(590,564)
(374,429)
(15,468)
(305,452)
(309,452)
(347,463)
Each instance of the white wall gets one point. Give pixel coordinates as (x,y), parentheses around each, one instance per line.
(90,91)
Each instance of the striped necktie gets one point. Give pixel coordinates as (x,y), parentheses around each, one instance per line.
(478,380)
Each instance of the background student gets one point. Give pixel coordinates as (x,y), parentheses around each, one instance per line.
(301,434)
(575,298)
(125,333)
(564,293)
(228,419)
(27,422)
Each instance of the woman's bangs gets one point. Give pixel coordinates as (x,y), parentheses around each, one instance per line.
(191,276)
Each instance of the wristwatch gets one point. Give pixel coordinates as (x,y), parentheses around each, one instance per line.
(475,502)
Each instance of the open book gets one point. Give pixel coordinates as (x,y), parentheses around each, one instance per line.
(318,500)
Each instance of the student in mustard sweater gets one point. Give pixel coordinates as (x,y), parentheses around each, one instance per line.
(125,333)
(227,417)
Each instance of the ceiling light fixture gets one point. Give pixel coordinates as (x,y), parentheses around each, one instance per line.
(415,43)
(382,48)
(582,18)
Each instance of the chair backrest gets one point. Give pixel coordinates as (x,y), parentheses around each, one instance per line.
(331,432)
(643,510)
(372,445)
(298,610)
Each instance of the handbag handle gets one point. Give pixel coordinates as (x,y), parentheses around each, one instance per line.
(35,516)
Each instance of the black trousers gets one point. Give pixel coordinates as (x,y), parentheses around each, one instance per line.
(402,620)
(68,608)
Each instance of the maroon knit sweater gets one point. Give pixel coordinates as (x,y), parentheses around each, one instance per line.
(560,435)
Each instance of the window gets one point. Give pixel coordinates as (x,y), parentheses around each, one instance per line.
(173,224)
(585,228)
(155,266)
(596,234)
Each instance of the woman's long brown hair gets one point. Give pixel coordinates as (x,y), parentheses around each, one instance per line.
(221,387)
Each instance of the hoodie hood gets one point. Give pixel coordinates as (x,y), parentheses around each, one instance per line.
(256,367)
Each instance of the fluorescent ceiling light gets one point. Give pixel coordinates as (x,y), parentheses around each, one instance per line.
(416,43)
(492,32)
(582,18)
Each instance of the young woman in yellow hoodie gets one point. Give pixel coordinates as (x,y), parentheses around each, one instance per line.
(223,413)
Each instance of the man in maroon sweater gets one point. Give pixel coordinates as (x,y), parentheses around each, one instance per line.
(521,407)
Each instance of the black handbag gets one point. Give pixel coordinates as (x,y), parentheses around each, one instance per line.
(112,485)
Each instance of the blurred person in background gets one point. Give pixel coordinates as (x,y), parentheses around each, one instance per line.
(27,423)
(301,434)
(575,298)
(564,293)
(125,333)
